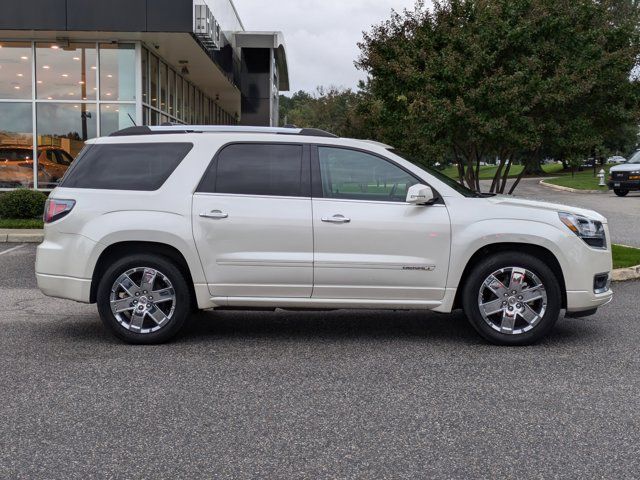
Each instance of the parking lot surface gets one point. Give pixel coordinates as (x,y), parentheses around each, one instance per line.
(312,395)
(623,214)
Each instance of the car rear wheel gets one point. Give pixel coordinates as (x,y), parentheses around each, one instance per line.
(621,193)
(512,299)
(144,299)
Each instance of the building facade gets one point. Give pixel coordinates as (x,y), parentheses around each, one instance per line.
(71,70)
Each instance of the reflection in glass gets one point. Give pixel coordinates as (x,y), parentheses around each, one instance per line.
(16,145)
(66,72)
(163,86)
(117,72)
(62,130)
(185,98)
(153,75)
(145,76)
(114,117)
(15,70)
(172,92)
(179,108)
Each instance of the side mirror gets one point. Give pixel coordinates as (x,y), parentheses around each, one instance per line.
(420,195)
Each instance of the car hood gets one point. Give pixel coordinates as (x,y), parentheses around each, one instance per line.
(508,201)
(627,167)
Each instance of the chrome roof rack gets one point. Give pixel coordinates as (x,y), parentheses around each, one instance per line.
(168,129)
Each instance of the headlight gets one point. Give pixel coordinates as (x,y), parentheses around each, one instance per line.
(591,231)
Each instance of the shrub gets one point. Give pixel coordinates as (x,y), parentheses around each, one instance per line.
(22,203)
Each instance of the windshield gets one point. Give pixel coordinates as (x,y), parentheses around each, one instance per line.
(450,182)
(635,158)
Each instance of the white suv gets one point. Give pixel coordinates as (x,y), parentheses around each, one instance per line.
(154,222)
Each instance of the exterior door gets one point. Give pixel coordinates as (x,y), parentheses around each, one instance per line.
(370,243)
(252,222)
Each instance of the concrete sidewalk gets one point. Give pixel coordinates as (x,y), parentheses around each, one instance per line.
(8,235)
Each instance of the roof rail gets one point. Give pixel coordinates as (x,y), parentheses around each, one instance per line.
(168,129)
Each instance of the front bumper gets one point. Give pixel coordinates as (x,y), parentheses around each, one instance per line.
(624,185)
(585,301)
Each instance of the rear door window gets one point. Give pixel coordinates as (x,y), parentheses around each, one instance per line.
(257,169)
(126,166)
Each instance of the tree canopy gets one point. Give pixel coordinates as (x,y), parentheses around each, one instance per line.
(515,80)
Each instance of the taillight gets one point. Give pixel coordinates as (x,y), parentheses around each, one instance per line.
(56,209)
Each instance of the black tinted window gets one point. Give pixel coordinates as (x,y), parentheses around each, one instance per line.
(256,169)
(142,167)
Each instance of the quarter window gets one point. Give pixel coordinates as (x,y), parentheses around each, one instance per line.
(143,167)
(256,169)
(351,174)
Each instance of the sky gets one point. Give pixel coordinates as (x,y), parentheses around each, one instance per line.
(321,35)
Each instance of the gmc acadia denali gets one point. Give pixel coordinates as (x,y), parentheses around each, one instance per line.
(154,222)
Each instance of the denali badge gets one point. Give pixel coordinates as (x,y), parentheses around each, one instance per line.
(427,268)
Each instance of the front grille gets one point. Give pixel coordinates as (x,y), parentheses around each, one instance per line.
(620,175)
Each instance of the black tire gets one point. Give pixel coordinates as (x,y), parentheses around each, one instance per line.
(483,270)
(175,319)
(621,193)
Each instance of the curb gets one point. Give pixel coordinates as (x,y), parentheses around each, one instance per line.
(626,274)
(568,189)
(21,236)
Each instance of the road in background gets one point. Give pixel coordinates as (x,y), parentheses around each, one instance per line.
(312,395)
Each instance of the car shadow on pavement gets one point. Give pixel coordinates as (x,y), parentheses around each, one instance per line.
(335,326)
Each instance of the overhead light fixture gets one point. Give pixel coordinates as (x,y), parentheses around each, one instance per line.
(24,58)
(185,70)
(65,75)
(55,47)
(77,59)
(46,67)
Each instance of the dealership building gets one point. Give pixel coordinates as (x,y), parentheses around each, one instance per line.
(71,70)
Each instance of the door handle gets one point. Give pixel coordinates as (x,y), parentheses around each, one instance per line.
(336,219)
(215,214)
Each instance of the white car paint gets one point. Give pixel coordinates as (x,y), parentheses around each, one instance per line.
(278,252)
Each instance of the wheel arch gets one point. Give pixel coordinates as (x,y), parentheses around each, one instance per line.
(537,251)
(122,249)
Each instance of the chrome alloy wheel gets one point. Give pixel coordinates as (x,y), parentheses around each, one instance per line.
(512,300)
(142,300)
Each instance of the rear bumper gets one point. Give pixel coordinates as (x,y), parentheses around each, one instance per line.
(78,289)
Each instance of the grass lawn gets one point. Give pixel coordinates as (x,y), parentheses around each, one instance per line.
(488,172)
(624,257)
(14,223)
(582,180)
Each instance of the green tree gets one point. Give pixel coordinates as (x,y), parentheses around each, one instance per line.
(339,111)
(516,80)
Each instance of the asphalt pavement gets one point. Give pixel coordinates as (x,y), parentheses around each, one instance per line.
(623,214)
(295,395)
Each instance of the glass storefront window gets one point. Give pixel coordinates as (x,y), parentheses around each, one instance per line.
(185,97)
(62,129)
(66,71)
(15,70)
(114,117)
(172,93)
(145,76)
(117,72)
(16,145)
(153,75)
(163,86)
(192,104)
(179,109)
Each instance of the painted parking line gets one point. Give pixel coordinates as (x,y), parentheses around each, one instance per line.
(13,249)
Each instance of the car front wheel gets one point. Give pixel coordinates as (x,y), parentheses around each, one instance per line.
(512,299)
(621,193)
(144,299)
